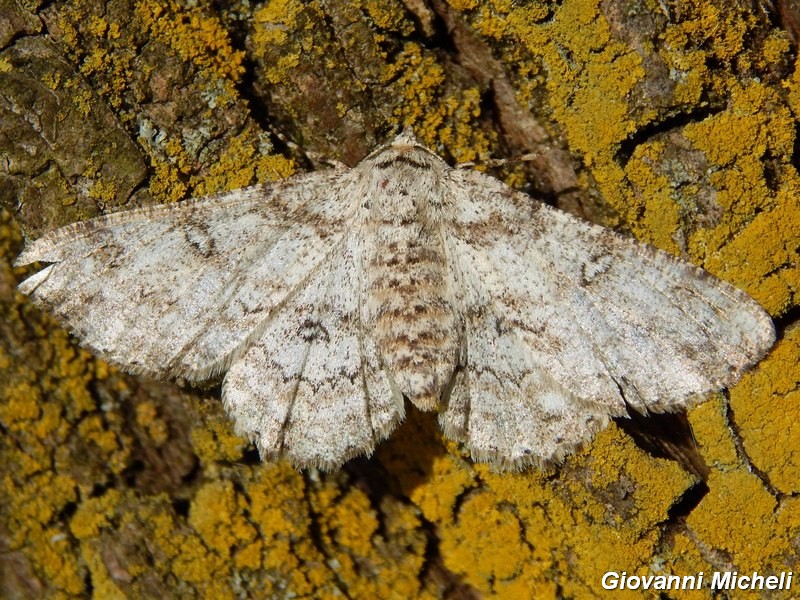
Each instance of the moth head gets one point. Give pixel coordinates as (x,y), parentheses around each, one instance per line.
(405,149)
(407,138)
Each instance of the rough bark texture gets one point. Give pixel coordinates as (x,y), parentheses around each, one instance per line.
(674,121)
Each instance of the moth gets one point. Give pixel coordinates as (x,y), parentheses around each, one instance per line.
(326,301)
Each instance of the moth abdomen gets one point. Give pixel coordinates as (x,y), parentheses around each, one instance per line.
(411,311)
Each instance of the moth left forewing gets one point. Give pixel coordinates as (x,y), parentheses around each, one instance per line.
(611,321)
(176,290)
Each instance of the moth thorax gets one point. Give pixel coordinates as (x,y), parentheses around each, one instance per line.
(410,312)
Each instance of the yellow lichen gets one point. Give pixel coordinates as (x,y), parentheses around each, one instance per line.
(166,184)
(22,404)
(350,528)
(215,440)
(249,557)
(437,121)
(388,16)
(653,197)
(196,564)
(104,191)
(56,561)
(102,584)
(147,417)
(738,516)
(97,26)
(558,530)
(464,4)
(92,428)
(711,429)
(273,19)
(352,522)
(215,515)
(196,36)
(242,163)
(470,546)
(437,497)
(766,406)
(94,514)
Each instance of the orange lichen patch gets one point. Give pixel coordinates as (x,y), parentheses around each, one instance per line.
(439,119)
(103,586)
(100,57)
(30,514)
(249,556)
(792,87)
(580,527)
(353,507)
(166,184)
(365,560)
(739,516)
(103,191)
(163,528)
(705,21)
(660,214)
(487,22)
(23,403)
(733,26)
(177,154)
(388,16)
(147,417)
(766,408)
(464,4)
(55,560)
(589,94)
(685,559)
(590,76)
(183,552)
(279,510)
(195,564)
(436,497)
(93,514)
(787,522)
(755,237)
(277,501)
(216,515)
(766,245)
(658,482)
(245,161)
(273,20)
(195,35)
(214,440)
(756,123)
(421,70)
(711,430)
(95,430)
(469,547)
(36,502)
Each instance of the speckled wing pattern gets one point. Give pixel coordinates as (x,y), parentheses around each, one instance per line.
(330,299)
(571,324)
